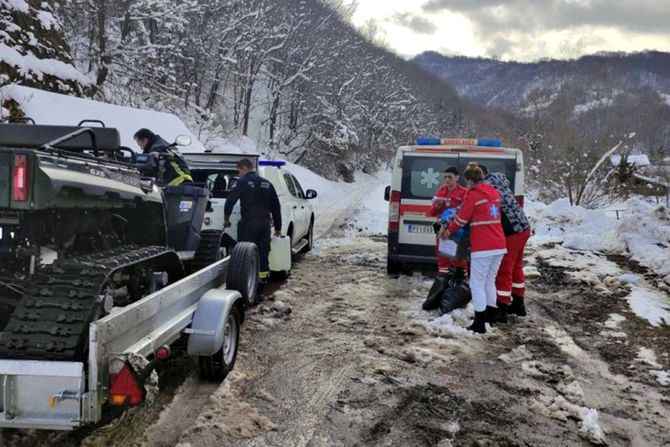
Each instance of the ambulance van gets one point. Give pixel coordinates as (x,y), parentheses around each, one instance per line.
(417,175)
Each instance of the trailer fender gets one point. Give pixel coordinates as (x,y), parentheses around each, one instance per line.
(206,331)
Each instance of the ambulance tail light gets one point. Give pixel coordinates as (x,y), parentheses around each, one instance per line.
(394,211)
(20,178)
(125,388)
(521,200)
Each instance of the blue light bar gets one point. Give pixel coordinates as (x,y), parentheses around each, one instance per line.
(428,141)
(489,143)
(275,163)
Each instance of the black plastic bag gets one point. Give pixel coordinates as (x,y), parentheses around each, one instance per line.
(455,297)
(435,294)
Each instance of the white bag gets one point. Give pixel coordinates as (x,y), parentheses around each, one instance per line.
(447,248)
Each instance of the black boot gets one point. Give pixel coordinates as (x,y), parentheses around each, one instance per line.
(518,307)
(501,315)
(490,314)
(479,325)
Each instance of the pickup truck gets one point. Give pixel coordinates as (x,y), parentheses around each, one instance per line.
(217,171)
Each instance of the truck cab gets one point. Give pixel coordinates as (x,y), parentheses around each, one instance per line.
(416,177)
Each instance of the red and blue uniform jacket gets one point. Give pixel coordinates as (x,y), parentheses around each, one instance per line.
(452,199)
(481,209)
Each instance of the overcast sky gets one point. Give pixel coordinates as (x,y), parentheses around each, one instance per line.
(519,29)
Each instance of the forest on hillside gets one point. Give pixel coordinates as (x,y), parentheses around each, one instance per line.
(293,76)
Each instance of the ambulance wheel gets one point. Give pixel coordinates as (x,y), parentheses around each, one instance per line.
(242,273)
(216,367)
(393,267)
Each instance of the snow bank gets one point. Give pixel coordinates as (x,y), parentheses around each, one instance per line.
(360,205)
(643,231)
(29,63)
(650,305)
(54,108)
(573,226)
(633,159)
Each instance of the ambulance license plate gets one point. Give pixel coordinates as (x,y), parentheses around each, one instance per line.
(423,229)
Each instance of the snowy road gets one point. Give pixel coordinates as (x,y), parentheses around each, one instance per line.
(342,355)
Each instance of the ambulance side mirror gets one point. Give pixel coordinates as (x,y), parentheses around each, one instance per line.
(387,193)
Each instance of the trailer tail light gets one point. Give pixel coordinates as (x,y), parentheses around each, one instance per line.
(125,388)
(20,183)
(394,211)
(163,353)
(521,200)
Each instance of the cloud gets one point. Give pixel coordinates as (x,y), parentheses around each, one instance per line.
(641,16)
(510,28)
(416,23)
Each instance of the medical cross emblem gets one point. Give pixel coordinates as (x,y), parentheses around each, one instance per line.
(495,212)
(430,177)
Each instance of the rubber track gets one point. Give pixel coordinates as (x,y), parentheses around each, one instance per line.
(52,318)
(208,249)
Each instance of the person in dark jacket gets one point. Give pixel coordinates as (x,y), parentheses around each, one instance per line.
(510,281)
(173,169)
(258,204)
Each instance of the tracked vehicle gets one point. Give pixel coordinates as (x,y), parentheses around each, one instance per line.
(97,263)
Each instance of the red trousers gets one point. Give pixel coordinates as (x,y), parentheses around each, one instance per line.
(511,280)
(444,263)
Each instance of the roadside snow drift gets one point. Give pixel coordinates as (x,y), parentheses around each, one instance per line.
(63,110)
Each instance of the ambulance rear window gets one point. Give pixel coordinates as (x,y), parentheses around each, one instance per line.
(422,176)
(505,166)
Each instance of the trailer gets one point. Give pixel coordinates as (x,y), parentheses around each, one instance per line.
(100,272)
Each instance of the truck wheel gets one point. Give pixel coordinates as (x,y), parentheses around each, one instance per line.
(242,273)
(216,367)
(310,238)
(393,267)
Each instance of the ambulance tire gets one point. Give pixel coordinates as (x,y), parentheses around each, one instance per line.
(393,267)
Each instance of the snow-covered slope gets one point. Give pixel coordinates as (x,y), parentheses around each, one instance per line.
(358,207)
(53,108)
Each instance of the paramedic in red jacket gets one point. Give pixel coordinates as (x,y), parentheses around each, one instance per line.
(481,209)
(450,195)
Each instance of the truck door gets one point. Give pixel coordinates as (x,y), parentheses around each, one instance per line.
(303,207)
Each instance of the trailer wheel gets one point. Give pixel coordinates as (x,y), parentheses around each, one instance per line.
(216,367)
(242,274)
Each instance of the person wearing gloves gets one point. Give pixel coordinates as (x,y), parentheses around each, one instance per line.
(481,209)
(450,195)
(510,282)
